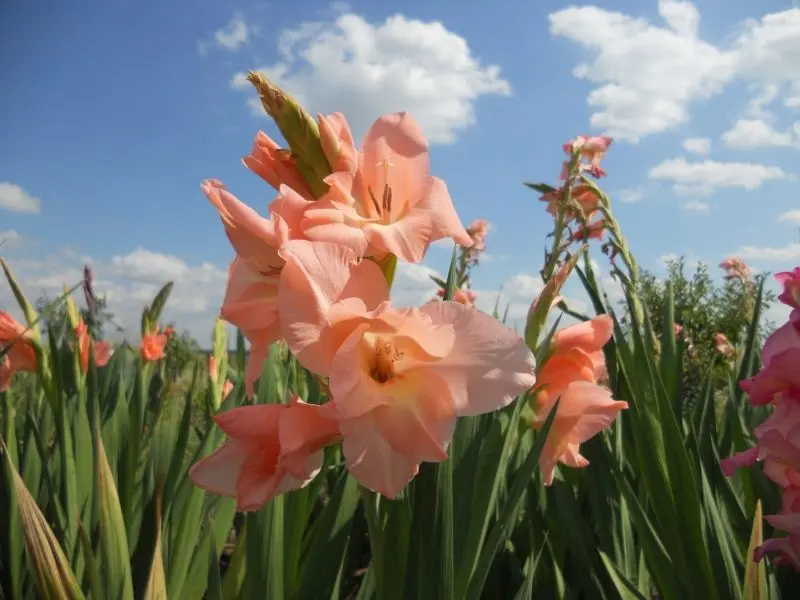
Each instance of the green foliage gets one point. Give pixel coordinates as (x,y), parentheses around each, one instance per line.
(96,501)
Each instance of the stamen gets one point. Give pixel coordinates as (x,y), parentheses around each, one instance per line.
(374,201)
(387,198)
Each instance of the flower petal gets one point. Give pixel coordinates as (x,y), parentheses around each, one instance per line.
(489,366)
(444,217)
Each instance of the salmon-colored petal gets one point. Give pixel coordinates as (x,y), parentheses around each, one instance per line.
(5,373)
(9,327)
(317,276)
(589,336)
(419,428)
(355,391)
(592,408)
(258,481)
(251,299)
(306,428)
(407,238)
(781,373)
(253,422)
(337,142)
(558,372)
(275,165)
(444,217)
(219,472)
(102,353)
(372,461)
(291,208)
(489,366)
(259,352)
(252,236)
(395,153)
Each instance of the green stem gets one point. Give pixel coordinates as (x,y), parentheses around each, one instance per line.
(370,501)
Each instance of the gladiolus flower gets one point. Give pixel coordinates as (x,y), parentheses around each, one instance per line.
(102,350)
(591,231)
(251,298)
(722,345)
(592,149)
(227,388)
(337,143)
(391,204)
(399,377)
(735,268)
(272,449)
(790,280)
(153,345)
(465,297)
(276,166)
(20,355)
(478,231)
(678,328)
(779,357)
(572,373)
(785,550)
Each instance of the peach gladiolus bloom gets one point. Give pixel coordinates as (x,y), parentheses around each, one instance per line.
(592,149)
(678,328)
(102,350)
(571,373)
(790,281)
(21,355)
(722,345)
(391,204)
(153,346)
(399,377)
(337,143)
(251,298)
(478,230)
(272,449)
(465,297)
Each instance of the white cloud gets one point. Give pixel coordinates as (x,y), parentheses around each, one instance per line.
(697,145)
(232,37)
(791,216)
(149,266)
(15,199)
(365,70)
(789,253)
(705,177)
(756,133)
(413,285)
(647,75)
(10,239)
(630,195)
(697,207)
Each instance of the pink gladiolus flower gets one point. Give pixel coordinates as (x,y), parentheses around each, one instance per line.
(591,231)
(572,373)
(790,280)
(465,297)
(785,550)
(399,377)
(21,356)
(391,204)
(337,143)
(779,357)
(678,328)
(227,388)
(102,350)
(478,230)
(722,345)
(272,449)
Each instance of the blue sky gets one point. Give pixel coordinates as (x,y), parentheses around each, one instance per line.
(113,114)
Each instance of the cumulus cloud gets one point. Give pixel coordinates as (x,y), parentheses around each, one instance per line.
(365,70)
(232,37)
(790,216)
(708,176)
(697,145)
(15,199)
(648,74)
(10,239)
(787,253)
(696,207)
(630,195)
(757,133)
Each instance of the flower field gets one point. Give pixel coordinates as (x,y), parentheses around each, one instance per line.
(352,448)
